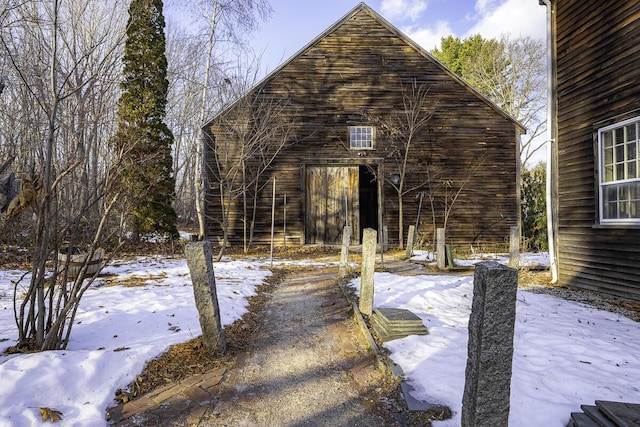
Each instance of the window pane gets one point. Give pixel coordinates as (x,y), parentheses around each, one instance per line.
(630,132)
(631,170)
(618,135)
(619,153)
(610,210)
(631,150)
(608,173)
(623,192)
(619,171)
(608,156)
(607,138)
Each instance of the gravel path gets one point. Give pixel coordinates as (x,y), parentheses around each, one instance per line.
(308,366)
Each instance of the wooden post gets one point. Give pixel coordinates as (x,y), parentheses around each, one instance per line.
(369,236)
(514,247)
(200,262)
(273,218)
(440,253)
(284,228)
(343,269)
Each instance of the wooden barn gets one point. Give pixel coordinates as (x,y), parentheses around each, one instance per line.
(594,54)
(359,116)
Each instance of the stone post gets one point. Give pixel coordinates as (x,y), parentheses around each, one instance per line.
(514,247)
(199,260)
(487,388)
(343,269)
(440,250)
(369,237)
(410,240)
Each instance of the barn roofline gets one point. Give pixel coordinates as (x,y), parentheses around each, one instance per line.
(365,8)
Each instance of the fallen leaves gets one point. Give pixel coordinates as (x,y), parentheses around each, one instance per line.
(50,414)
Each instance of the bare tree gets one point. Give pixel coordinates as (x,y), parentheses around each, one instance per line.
(452,188)
(510,72)
(249,137)
(75,66)
(221,27)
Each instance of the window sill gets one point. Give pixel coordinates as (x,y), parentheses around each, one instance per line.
(626,226)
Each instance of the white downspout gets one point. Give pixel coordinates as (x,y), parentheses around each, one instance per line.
(551,142)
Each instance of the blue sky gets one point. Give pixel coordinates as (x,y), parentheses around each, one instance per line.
(294,23)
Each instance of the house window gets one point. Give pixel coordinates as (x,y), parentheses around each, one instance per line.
(618,147)
(361,137)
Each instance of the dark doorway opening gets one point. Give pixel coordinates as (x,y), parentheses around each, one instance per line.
(368,199)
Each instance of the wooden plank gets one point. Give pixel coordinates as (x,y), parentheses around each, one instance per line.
(582,420)
(594,413)
(622,414)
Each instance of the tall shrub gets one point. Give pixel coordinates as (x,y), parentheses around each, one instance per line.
(533,205)
(142,132)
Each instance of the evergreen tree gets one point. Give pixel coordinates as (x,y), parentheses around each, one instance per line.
(534,207)
(142,133)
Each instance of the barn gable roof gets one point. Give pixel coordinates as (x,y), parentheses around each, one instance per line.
(364,8)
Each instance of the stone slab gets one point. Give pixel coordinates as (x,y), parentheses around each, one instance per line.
(399,328)
(387,335)
(413,404)
(397,315)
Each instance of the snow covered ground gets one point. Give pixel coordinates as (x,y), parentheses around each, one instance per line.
(566,354)
(117,330)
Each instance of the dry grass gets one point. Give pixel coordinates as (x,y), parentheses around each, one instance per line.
(190,358)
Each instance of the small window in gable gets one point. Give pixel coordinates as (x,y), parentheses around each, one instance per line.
(361,137)
(619,176)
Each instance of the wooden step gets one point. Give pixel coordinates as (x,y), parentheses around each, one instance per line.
(596,415)
(580,419)
(607,414)
(620,413)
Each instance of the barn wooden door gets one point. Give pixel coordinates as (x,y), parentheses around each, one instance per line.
(332,201)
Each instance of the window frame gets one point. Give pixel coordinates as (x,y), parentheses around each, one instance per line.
(360,147)
(610,165)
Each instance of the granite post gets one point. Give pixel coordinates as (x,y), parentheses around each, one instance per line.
(440,250)
(200,262)
(343,268)
(514,246)
(410,240)
(487,388)
(369,237)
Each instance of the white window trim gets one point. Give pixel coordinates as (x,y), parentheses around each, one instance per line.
(373,137)
(601,175)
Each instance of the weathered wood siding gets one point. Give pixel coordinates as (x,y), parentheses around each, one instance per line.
(351,75)
(598,57)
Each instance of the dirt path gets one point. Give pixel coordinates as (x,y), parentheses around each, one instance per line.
(309,364)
